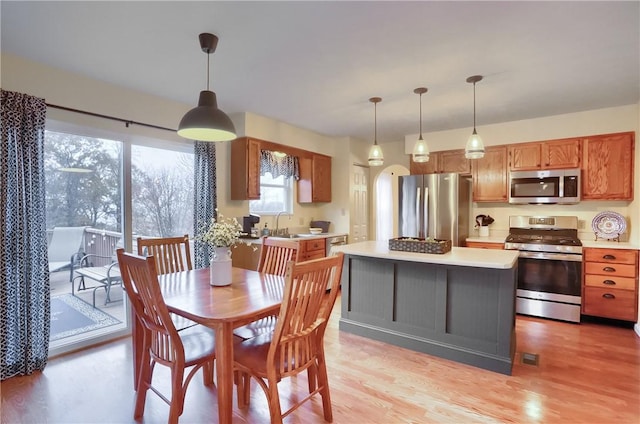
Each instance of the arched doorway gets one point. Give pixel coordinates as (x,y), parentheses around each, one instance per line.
(386,201)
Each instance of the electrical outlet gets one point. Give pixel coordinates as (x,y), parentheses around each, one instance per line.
(581,224)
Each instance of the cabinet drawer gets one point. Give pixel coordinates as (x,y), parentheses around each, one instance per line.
(317,254)
(484,244)
(620,256)
(610,303)
(613,282)
(312,245)
(603,268)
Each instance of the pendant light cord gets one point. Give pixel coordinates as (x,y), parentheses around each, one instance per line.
(208,60)
(375,123)
(420,117)
(474,107)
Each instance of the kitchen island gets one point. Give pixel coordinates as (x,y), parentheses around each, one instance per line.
(459,305)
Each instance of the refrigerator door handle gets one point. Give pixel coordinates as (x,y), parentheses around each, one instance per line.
(418,211)
(425,204)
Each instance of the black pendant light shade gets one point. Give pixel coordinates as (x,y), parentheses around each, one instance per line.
(206,122)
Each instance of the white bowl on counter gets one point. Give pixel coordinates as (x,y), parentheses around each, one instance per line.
(314,230)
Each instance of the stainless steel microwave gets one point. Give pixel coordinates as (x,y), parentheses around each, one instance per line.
(546,187)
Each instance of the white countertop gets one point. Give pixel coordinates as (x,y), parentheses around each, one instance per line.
(603,244)
(609,244)
(303,237)
(461,256)
(490,239)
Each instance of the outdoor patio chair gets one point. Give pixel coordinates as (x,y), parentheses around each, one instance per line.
(107,275)
(66,249)
(297,343)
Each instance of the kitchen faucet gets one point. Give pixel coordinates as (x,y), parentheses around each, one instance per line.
(278,218)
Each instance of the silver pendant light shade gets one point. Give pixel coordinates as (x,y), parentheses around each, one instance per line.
(420,149)
(206,122)
(475,147)
(376,157)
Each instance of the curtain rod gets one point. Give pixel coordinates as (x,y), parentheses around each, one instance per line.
(127,122)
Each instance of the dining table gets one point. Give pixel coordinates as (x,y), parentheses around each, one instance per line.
(250,297)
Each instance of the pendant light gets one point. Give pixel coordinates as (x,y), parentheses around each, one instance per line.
(206,122)
(375,153)
(475,147)
(420,149)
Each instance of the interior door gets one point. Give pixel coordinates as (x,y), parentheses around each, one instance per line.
(359,219)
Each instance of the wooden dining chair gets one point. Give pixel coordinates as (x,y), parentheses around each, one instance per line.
(274,256)
(162,343)
(172,253)
(297,343)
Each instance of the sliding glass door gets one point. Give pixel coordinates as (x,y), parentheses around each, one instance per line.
(102,192)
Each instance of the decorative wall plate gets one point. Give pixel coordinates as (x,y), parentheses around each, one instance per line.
(608,225)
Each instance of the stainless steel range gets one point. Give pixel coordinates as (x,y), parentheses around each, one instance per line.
(549,265)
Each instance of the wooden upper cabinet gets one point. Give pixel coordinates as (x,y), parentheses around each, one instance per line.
(607,167)
(552,154)
(443,162)
(430,167)
(559,154)
(490,175)
(315,179)
(454,161)
(245,169)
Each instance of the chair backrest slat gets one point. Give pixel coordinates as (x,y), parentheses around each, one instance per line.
(305,311)
(275,254)
(172,253)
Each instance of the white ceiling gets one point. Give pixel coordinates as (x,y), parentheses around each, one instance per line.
(315,64)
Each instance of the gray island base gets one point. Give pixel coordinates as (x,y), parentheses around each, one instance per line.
(459,305)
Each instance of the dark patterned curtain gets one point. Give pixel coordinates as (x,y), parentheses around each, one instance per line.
(24,271)
(205,202)
(279,164)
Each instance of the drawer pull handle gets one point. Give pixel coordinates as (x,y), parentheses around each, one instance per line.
(609,257)
(609,282)
(608,296)
(609,269)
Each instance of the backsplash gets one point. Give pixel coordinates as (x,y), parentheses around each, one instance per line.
(585,211)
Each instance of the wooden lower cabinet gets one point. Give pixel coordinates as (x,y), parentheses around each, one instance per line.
(311,249)
(245,255)
(610,283)
(484,244)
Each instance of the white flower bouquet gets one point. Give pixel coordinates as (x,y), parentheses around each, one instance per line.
(222,232)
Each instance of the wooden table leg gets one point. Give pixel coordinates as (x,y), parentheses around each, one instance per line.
(224,372)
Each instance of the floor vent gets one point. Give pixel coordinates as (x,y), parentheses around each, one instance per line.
(530,358)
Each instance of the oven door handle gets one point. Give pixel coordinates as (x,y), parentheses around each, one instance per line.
(551,256)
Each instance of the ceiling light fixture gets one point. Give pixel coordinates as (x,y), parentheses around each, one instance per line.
(206,122)
(420,149)
(375,153)
(475,147)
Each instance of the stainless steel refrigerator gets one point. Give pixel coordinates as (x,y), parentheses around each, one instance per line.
(434,205)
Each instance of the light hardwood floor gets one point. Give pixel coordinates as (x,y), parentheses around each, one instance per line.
(588,373)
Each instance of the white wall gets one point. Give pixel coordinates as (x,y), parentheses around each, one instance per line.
(75,91)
